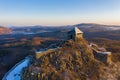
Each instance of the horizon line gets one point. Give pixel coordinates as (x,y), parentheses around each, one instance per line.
(58,25)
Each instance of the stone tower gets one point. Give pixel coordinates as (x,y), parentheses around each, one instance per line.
(75,34)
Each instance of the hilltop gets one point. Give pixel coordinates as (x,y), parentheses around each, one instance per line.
(72,59)
(70,62)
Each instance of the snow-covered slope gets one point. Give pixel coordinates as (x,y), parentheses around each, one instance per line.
(15,72)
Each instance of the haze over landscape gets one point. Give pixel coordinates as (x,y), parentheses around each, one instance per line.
(59,12)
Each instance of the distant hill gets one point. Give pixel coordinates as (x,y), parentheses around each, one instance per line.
(91,27)
(90,30)
(4,30)
(97,27)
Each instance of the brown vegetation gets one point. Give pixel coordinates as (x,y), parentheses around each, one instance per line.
(74,61)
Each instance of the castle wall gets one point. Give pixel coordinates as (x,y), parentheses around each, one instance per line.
(104,57)
(71,35)
(79,36)
(39,54)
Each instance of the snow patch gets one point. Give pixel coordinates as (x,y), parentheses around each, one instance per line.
(15,72)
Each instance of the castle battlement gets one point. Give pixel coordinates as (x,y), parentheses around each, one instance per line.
(101,54)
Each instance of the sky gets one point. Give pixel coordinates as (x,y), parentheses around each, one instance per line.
(59,12)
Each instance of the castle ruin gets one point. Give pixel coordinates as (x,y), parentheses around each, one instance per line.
(76,34)
(99,53)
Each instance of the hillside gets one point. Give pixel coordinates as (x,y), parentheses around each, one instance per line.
(73,61)
(4,30)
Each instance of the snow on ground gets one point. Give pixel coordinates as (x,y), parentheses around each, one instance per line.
(15,72)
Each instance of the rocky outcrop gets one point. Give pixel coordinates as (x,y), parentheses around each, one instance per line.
(73,61)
